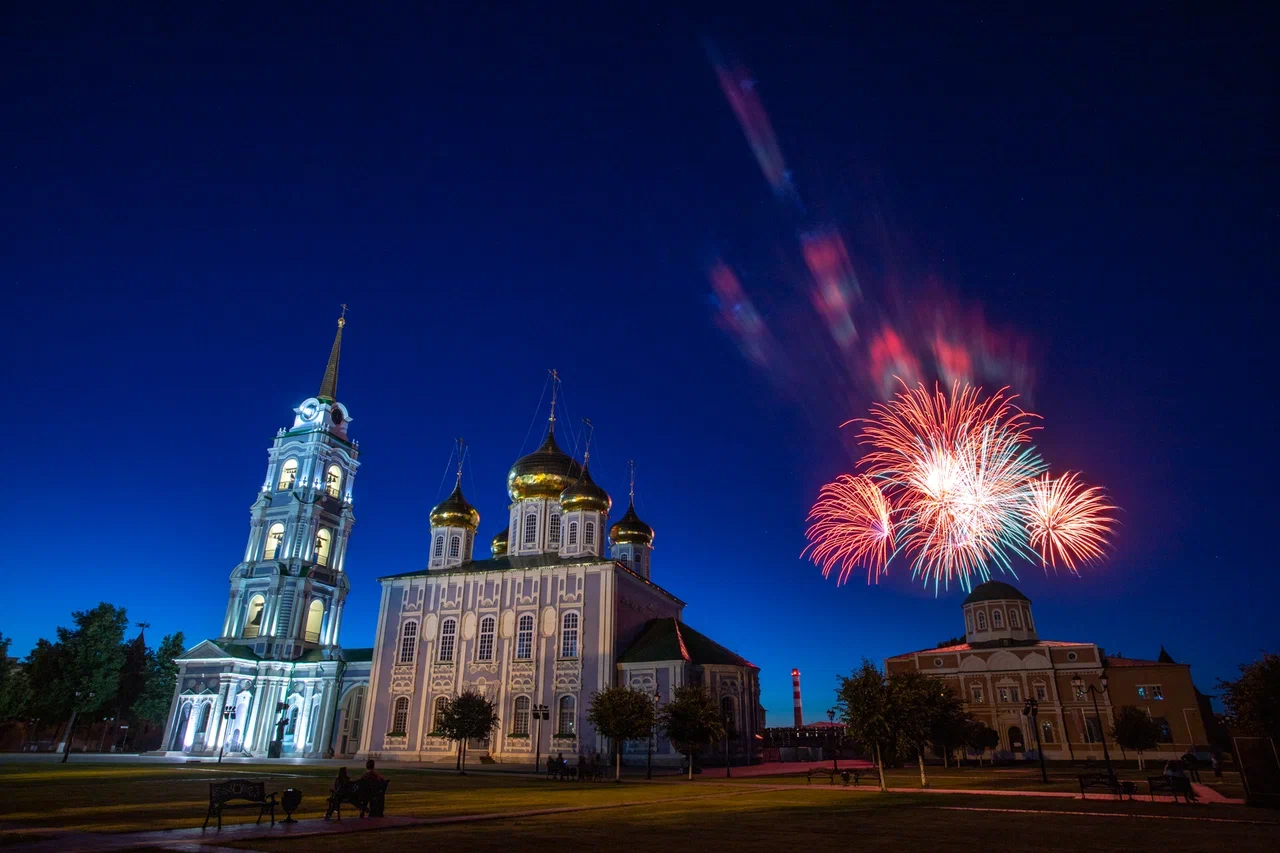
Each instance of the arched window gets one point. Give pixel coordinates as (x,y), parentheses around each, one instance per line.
(205,708)
(568,715)
(437,715)
(315,618)
(520,726)
(1030,625)
(288,474)
(524,638)
(573,533)
(324,539)
(439,552)
(292,728)
(484,648)
(997,620)
(530,529)
(1046,732)
(727,714)
(408,642)
(455,547)
(275,537)
(253,617)
(1013,619)
(448,633)
(589,533)
(554,528)
(982,621)
(333,481)
(569,635)
(968,622)
(400,719)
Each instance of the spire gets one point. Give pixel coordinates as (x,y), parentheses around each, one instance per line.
(1165,657)
(555,382)
(329,385)
(632,464)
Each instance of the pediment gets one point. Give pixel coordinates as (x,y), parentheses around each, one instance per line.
(204,650)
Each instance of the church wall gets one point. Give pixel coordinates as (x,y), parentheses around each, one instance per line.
(637,602)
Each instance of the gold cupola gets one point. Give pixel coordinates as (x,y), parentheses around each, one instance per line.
(586,495)
(544,473)
(631,530)
(498,545)
(454,511)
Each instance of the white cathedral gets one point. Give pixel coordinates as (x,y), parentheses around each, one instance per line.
(564,606)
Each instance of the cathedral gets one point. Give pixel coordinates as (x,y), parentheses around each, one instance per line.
(565,605)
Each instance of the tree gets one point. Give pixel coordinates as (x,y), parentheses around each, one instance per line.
(917,703)
(15,692)
(954,641)
(86,663)
(981,737)
(469,715)
(153,702)
(1134,729)
(1252,701)
(691,720)
(863,702)
(621,714)
(950,726)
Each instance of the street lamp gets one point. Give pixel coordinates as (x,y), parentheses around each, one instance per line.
(728,721)
(648,768)
(831,718)
(1032,710)
(228,717)
(1079,685)
(540,713)
(71,726)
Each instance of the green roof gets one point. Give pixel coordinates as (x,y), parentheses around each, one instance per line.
(237,651)
(994,591)
(505,564)
(670,639)
(357,655)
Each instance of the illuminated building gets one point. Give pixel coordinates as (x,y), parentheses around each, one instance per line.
(1003,662)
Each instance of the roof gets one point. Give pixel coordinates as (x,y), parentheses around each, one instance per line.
(357,655)
(234,650)
(329,385)
(670,639)
(965,647)
(994,591)
(505,564)
(1116,660)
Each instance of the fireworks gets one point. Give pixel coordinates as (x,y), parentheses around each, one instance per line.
(953,483)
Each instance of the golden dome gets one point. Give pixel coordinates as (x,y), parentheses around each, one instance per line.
(454,511)
(630,529)
(585,494)
(544,473)
(498,545)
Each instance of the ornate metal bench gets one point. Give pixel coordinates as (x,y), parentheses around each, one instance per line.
(367,795)
(254,793)
(845,775)
(1101,782)
(1173,785)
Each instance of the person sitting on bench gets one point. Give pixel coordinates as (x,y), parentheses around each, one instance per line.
(340,786)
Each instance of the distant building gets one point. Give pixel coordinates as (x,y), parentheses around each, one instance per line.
(1004,662)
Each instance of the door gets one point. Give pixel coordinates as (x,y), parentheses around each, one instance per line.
(1015,739)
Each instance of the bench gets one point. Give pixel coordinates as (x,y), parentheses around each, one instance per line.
(845,775)
(367,795)
(254,794)
(1173,785)
(1103,782)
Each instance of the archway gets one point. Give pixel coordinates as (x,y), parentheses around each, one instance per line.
(1016,743)
(180,727)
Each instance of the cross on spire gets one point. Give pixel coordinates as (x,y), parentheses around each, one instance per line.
(329,385)
(631,463)
(586,453)
(462,452)
(555,382)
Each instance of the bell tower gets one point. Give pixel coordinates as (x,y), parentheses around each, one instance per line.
(288,592)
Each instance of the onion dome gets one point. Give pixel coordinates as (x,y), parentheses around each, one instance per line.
(454,511)
(585,494)
(498,545)
(544,473)
(630,529)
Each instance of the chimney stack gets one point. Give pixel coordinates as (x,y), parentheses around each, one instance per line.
(795,690)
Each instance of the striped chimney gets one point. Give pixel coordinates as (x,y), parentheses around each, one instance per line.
(795,692)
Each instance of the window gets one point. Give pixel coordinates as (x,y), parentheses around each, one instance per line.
(1013,692)
(1071,656)
(205,710)
(589,533)
(437,716)
(292,728)
(448,633)
(455,547)
(1151,691)
(997,620)
(253,617)
(555,529)
(288,474)
(530,529)
(524,638)
(333,481)
(484,649)
(323,540)
(982,621)
(1004,694)
(400,719)
(1166,733)
(520,726)
(1046,732)
(408,642)
(569,635)
(1042,693)
(1026,618)
(573,533)
(568,715)
(937,662)
(439,549)
(315,618)
(1013,619)
(275,537)
(1092,731)
(976,691)
(727,714)
(968,622)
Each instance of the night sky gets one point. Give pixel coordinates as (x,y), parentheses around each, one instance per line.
(188,198)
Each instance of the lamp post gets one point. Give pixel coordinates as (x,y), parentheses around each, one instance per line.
(1032,710)
(728,720)
(540,713)
(71,726)
(831,718)
(1079,685)
(228,717)
(648,768)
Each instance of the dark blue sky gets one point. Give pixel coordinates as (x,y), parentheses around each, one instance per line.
(189,196)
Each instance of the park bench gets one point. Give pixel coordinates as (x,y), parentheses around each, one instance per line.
(845,775)
(367,795)
(1101,782)
(1172,785)
(254,794)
